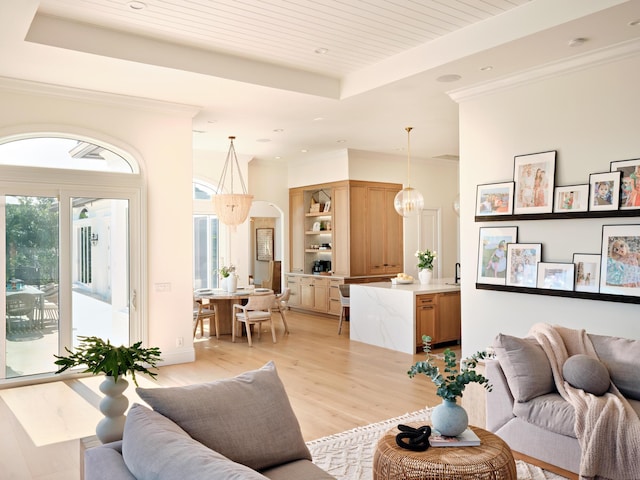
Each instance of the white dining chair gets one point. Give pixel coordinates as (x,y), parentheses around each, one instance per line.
(345,299)
(280,305)
(257,310)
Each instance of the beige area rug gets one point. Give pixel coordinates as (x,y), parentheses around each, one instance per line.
(349,455)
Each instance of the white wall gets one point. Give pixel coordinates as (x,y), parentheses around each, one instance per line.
(590,116)
(159,136)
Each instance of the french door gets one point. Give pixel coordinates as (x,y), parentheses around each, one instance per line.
(68,272)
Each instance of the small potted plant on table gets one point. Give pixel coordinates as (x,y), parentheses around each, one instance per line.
(449,418)
(100,357)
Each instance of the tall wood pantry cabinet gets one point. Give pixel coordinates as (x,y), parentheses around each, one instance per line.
(364,231)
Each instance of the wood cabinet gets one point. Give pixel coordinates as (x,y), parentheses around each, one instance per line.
(438,315)
(363,229)
(334,296)
(296,231)
(293,282)
(314,293)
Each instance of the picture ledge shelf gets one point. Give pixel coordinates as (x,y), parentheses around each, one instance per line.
(559,216)
(603,297)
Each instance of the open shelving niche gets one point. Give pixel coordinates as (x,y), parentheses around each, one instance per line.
(604,297)
(317,237)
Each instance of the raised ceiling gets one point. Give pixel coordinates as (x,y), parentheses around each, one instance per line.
(285,76)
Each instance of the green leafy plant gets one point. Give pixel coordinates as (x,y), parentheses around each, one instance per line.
(100,356)
(226,271)
(454,381)
(425,259)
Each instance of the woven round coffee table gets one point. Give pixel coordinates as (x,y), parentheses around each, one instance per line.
(491,460)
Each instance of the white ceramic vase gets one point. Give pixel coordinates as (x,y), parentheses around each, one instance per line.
(449,418)
(112,406)
(425,276)
(232,283)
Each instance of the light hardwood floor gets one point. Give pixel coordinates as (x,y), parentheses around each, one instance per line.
(333,385)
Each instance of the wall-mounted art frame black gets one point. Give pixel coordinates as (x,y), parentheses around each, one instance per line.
(534,177)
(492,253)
(556,276)
(604,191)
(494,199)
(522,264)
(620,260)
(571,198)
(629,182)
(587,272)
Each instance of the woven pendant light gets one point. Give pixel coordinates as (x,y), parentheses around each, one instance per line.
(232,208)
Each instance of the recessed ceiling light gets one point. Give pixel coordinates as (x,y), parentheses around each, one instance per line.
(304,150)
(263,140)
(278,157)
(212,121)
(318,119)
(135,5)
(278,130)
(576,42)
(452,77)
(321,51)
(487,68)
(634,23)
(341,141)
(198,131)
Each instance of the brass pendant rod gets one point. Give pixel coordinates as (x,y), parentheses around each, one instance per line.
(408,129)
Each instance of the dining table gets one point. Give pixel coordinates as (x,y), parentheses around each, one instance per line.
(224,302)
(36,292)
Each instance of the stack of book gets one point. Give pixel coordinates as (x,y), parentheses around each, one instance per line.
(468,438)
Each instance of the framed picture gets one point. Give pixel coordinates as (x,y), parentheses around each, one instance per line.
(620,261)
(327,206)
(492,253)
(572,198)
(629,182)
(604,191)
(534,176)
(494,199)
(587,272)
(264,244)
(522,263)
(556,276)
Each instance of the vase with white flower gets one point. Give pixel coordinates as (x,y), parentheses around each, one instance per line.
(425,265)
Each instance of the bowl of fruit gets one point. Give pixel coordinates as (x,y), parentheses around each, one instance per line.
(402,279)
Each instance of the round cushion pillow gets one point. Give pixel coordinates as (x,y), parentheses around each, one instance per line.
(587,373)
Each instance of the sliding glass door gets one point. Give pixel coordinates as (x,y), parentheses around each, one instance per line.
(55,295)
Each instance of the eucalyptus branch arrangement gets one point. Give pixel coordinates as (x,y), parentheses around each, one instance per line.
(100,356)
(454,381)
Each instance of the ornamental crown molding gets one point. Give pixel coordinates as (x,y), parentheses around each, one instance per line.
(576,63)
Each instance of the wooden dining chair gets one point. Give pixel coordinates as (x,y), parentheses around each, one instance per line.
(257,310)
(203,310)
(280,304)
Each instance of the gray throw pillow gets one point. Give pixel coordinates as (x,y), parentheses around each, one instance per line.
(155,448)
(525,365)
(620,355)
(586,373)
(247,418)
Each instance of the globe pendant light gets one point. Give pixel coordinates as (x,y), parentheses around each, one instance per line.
(408,201)
(232,208)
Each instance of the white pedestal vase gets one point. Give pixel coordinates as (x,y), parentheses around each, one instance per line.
(425,276)
(113,406)
(449,418)
(232,283)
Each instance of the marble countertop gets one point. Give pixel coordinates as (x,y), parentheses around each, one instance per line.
(438,285)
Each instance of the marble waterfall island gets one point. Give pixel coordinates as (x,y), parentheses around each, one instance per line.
(384,314)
